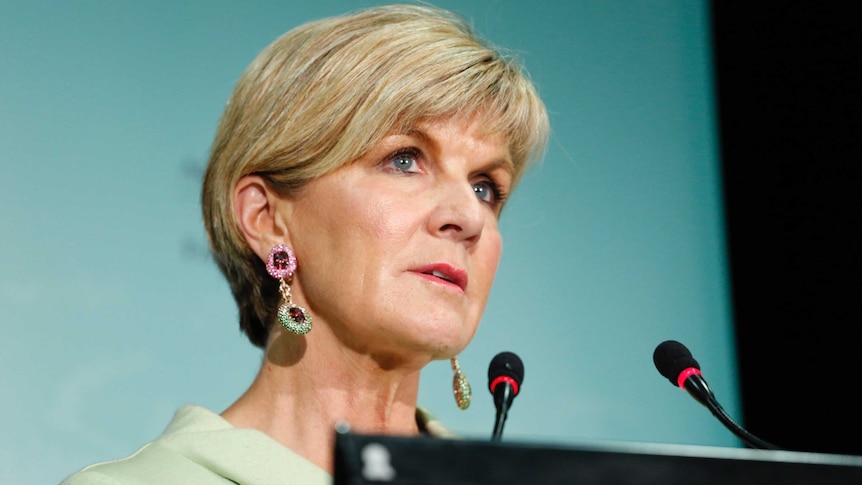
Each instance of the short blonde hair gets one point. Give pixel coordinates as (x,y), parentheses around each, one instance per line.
(324,93)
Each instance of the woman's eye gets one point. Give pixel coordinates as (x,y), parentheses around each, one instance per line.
(487,191)
(404,161)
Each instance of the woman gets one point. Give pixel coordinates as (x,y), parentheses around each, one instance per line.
(351,200)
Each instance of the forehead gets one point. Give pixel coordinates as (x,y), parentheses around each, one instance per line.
(478,124)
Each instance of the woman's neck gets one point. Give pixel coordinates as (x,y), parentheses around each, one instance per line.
(305,387)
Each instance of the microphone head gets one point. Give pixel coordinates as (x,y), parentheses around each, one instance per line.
(671,358)
(505,365)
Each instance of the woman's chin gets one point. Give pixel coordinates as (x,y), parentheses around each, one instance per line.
(418,350)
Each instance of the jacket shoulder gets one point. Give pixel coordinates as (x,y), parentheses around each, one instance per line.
(151,464)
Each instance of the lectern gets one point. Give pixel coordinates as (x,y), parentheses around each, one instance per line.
(371,459)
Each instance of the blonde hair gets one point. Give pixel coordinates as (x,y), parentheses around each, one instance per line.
(324,93)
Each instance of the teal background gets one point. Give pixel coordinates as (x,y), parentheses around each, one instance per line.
(112,315)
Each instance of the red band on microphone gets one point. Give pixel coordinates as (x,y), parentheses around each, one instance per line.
(685,375)
(508,379)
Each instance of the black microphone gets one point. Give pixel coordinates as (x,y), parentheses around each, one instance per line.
(674,361)
(505,375)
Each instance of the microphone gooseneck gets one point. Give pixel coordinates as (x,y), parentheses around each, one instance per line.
(505,375)
(675,362)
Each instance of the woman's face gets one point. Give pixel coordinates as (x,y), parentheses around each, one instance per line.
(397,251)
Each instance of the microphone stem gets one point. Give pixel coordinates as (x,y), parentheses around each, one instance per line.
(697,387)
(499,422)
(503,397)
(739,431)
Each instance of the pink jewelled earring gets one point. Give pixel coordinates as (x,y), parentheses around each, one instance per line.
(281,264)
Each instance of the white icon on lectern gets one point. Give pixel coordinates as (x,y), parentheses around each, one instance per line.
(376,464)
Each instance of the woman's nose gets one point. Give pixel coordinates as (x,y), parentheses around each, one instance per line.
(459,213)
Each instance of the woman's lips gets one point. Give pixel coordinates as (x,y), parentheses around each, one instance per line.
(443,273)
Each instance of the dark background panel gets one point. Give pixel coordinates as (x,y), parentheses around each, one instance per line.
(789,120)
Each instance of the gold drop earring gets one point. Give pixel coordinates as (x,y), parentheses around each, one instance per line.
(460,386)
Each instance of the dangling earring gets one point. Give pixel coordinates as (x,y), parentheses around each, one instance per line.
(460,386)
(281,264)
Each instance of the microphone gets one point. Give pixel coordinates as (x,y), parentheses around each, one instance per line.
(505,375)
(674,361)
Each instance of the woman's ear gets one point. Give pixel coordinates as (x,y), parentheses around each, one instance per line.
(256,207)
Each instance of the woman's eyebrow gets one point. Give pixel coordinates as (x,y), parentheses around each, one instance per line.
(420,134)
(504,161)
